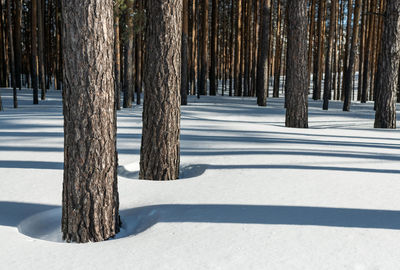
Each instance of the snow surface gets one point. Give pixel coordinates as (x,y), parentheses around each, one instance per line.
(252,194)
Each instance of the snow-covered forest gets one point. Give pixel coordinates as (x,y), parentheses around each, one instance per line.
(186,134)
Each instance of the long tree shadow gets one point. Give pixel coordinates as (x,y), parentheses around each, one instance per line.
(37,220)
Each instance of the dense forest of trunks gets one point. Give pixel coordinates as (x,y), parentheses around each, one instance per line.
(223,47)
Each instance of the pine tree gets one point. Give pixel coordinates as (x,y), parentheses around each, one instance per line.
(90,190)
(159,152)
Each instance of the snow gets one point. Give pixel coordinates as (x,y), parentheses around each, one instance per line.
(252,194)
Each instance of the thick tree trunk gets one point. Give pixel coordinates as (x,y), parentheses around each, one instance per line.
(263,53)
(12,58)
(90,191)
(204,49)
(388,68)
(296,67)
(185,53)
(159,153)
(348,76)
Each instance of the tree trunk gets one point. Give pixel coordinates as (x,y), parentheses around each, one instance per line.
(204,49)
(139,51)
(117,58)
(42,74)
(3,64)
(388,68)
(348,76)
(263,53)
(90,191)
(128,58)
(159,152)
(17,42)
(12,60)
(238,41)
(317,76)
(35,60)
(185,53)
(214,46)
(278,52)
(328,60)
(296,67)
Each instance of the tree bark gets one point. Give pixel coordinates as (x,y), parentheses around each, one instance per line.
(128,57)
(35,59)
(263,53)
(42,74)
(159,153)
(214,46)
(90,191)
(12,58)
(238,40)
(297,66)
(348,77)
(17,41)
(204,49)
(388,68)
(278,52)
(139,51)
(328,59)
(117,59)
(185,53)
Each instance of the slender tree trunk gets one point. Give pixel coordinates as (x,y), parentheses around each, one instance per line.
(388,68)
(214,46)
(311,33)
(296,67)
(263,47)
(159,152)
(128,58)
(185,52)
(117,50)
(278,52)
(17,41)
(237,64)
(328,59)
(3,71)
(139,51)
(317,76)
(35,60)
(90,190)
(348,76)
(42,74)
(204,49)
(12,60)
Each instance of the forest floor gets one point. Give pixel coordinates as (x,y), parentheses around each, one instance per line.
(252,194)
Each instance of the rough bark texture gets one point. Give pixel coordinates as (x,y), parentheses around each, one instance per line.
(237,63)
(278,52)
(139,51)
(185,53)
(296,65)
(388,68)
(90,194)
(262,68)
(159,153)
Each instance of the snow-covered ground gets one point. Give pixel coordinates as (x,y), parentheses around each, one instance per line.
(253,194)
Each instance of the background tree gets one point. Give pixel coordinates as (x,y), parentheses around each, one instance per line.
(262,68)
(185,53)
(90,190)
(159,152)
